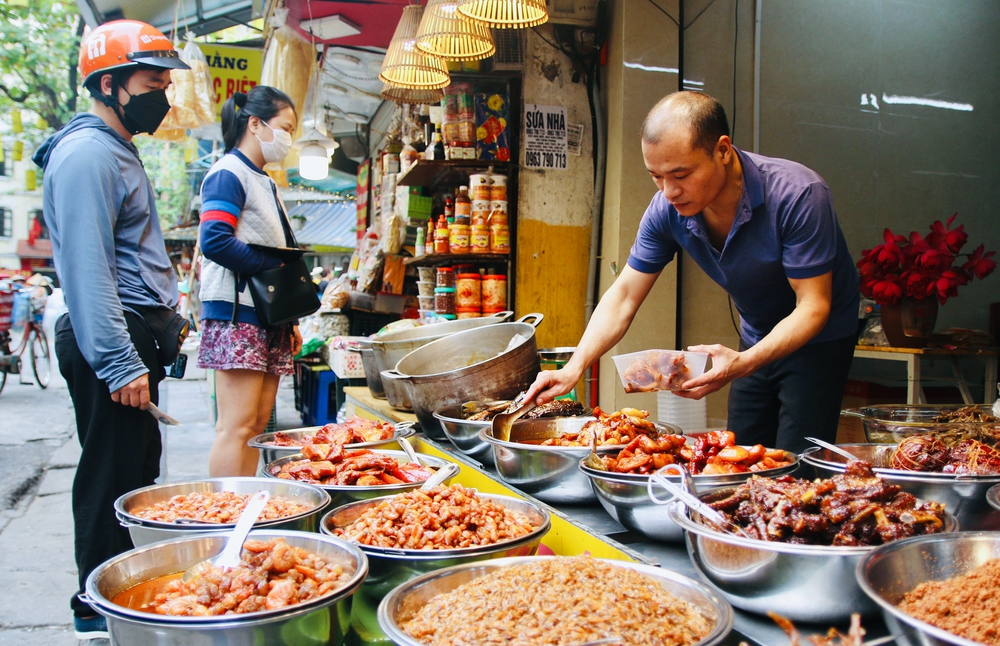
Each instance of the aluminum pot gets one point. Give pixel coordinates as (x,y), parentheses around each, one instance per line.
(409,597)
(269,452)
(884,422)
(321,621)
(962,495)
(464,433)
(373,376)
(805,583)
(390,348)
(626,499)
(395,390)
(889,572)
(549,473)
(388,568)
(343,494)
(144,532)
(470,365)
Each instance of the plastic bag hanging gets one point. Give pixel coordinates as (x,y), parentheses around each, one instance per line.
(289,65)
(191,96)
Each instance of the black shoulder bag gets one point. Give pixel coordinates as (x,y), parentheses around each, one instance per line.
(285,293)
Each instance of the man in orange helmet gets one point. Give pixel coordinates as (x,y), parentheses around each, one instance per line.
(118,283)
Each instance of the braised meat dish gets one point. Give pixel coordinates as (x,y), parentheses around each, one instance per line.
(354,431)
(656,371)
(556,408)
(967,414)
(712,453)
(271,575)
(949,452)
(332,464)
(610,429)
(855,508)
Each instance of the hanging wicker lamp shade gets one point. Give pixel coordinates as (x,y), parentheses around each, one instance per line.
(411,95)
(406,66)
(505,14)
(446,33)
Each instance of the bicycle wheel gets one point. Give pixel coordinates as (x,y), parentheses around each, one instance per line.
(41,362)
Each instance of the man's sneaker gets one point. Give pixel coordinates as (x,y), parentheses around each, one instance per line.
(90,628)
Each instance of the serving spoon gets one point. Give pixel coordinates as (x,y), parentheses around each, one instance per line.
(503,422)
(832,447)
(690,501)
(230,555)
(408,450)
(440,476)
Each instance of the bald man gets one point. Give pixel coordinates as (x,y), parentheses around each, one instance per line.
(765,230)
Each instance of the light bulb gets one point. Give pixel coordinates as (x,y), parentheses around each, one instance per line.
(313,162)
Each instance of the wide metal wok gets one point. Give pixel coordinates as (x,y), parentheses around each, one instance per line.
(470,365)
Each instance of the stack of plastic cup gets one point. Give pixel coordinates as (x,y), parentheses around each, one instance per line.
(690,414)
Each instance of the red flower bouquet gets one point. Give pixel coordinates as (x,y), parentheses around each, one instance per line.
(922,267)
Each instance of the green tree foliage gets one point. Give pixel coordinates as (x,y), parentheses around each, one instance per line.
(39,50)
(164,163)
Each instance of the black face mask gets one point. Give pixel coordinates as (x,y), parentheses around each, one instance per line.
(145,112)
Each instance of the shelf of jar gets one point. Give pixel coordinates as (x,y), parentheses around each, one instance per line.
(445,172)
(452,258)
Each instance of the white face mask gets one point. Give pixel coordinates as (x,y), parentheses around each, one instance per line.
(276,150)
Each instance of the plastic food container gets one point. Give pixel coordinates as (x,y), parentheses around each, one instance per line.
(468,291)
(479,239)
(445,277)
(468,313)
(426,302)
(479,187)
(426,288)
(652,370)
(498,187)
(444,300)
(480,211)
(494,292)
(459,240)
(426,274)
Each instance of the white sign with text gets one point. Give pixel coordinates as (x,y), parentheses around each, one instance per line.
(545,137)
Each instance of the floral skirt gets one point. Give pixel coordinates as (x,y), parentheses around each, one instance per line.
(245,346)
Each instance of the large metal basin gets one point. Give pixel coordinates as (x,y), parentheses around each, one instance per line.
(962,495)
(549,473)
(889,572)
(270,452)
(373,376)
(470,365)
(390,348)
(805,583)
(322,621)
(343,494)
(625,497)
(389,568)
(395,390)
(413,595)
(144,532)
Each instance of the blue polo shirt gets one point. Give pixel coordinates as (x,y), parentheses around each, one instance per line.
(785,227)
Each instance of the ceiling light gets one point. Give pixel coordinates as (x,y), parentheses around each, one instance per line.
(314,156)
(344,60)
(505,14)
(410,95)
(446,33)
(405,65)
(330,27)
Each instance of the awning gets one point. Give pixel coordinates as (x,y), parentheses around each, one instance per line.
(199,16)
(41,249)
(328,227)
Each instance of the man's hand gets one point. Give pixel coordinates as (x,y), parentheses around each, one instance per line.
(296,340)
(550,384)
(135,393)
(727,365)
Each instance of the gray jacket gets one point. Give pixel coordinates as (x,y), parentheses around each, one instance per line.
(106,241)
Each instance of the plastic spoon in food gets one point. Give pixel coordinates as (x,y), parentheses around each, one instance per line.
(503,422)
(442,474)
(230,556)
(690,501)
(833,447)
(408,449)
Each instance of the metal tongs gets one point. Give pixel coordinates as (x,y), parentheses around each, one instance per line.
(690,501)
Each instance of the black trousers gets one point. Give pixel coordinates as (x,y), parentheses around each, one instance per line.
(121,449)
(791,398)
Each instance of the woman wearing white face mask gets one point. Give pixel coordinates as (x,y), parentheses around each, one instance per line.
(240,207)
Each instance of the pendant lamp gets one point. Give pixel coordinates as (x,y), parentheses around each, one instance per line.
(411,95)
(406,66)
(315,148)
(446,33)
(505,14)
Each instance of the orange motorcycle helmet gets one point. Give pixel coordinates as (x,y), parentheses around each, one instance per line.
(120,44)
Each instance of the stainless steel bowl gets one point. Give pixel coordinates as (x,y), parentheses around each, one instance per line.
(625,497)
(270,452)
(144,532)
(464,433)
(549,473)
(883,422)
(889,572)
(322,621)
(413,595)
(807,583)
(962,495)
(993,497)
(343,494)
(389,568)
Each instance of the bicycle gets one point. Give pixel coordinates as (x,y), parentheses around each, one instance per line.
(33,339)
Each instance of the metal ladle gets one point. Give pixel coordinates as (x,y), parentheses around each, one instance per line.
(832,447)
